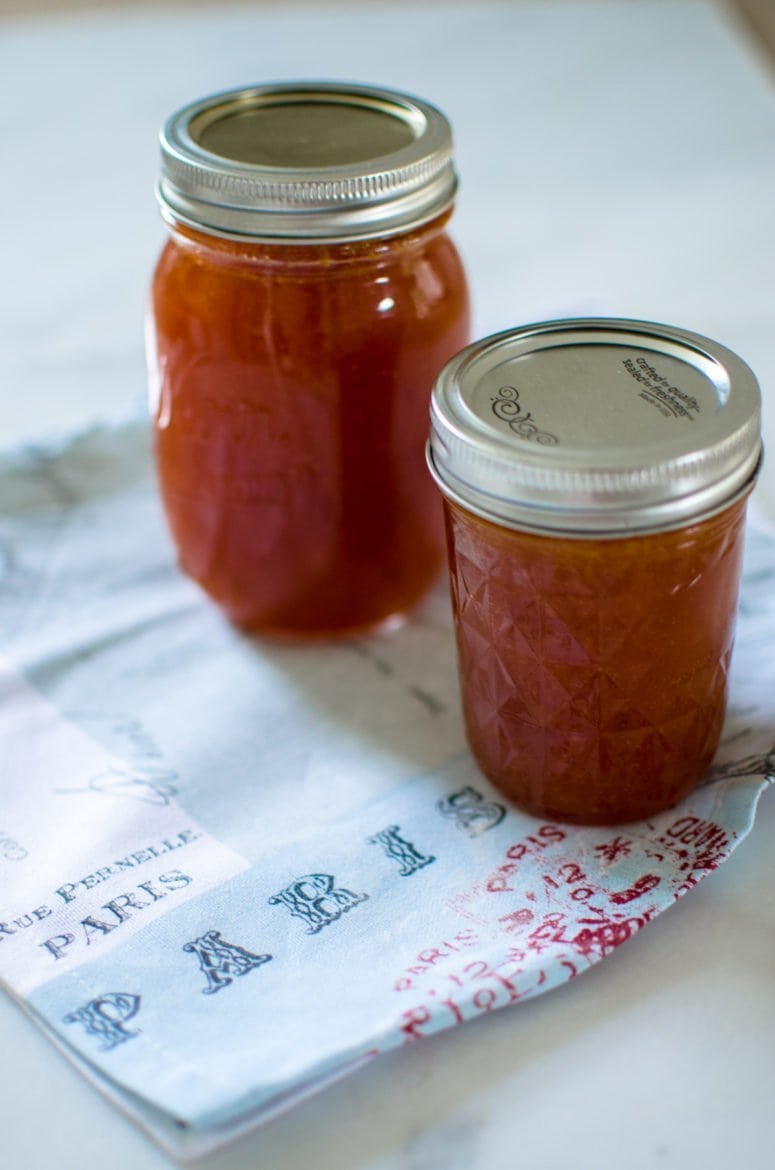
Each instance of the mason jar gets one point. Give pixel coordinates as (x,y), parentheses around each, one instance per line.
(306,298)
(595,475)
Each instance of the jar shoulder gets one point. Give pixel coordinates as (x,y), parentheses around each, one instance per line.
(423,282)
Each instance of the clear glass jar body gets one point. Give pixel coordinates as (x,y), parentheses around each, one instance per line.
(594,671)
(290,385)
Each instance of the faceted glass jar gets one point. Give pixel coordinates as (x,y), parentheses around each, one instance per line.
(290,387)
(595,475)
(594,672)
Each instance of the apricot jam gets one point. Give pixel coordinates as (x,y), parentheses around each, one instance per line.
(306,299)
(595,670)
(595,541)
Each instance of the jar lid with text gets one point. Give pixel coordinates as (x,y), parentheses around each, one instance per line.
(302,161)
(598,426)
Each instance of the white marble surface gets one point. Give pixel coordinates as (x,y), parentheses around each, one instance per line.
(615,158)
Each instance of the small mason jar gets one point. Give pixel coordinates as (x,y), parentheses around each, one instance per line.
(595,475)
(306,299)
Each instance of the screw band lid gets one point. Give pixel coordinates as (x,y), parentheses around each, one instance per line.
(306,161)
(595,426)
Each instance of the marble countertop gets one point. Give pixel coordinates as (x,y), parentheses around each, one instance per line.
(615,159)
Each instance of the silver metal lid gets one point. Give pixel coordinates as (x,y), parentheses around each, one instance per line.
(598,426)
(306,161)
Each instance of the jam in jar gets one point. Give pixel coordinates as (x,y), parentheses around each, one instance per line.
(306,299)
(595,475)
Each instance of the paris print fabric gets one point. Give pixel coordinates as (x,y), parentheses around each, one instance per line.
(200,831)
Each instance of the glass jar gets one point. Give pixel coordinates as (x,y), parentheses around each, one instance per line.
(595,475)
(306,299)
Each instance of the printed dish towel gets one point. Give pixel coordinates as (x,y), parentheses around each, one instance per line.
(196,826)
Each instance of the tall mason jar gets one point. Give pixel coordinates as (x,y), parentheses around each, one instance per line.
(306,298)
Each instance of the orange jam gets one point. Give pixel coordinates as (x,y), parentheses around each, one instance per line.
(292,418)
(594,671)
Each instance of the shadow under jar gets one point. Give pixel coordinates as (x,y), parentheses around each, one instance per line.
(305,301)
(595,475)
